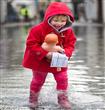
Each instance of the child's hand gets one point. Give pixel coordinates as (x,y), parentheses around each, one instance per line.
(59,49)
(49,56)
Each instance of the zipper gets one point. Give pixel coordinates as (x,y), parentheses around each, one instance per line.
(62,38)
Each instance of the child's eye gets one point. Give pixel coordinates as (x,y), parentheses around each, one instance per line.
(63,20)
(55,20)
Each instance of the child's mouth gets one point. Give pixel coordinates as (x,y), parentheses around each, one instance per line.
(57,27)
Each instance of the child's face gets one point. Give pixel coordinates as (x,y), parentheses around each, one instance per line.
(59,21)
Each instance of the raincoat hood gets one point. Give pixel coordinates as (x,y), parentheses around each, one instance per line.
(57,8)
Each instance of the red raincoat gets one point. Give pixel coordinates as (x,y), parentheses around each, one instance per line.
(34,56)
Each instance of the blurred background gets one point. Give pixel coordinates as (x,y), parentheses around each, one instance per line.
(27,10)
(86,67)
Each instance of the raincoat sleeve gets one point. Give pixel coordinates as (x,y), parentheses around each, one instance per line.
(33,43)
(70,43)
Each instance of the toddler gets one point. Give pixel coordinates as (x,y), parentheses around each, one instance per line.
(58,20)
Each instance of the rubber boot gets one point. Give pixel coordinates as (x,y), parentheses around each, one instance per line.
(33,99)
(63,100)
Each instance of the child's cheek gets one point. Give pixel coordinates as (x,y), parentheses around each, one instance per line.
(53,23)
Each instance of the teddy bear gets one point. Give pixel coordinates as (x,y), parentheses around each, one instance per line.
(50,44)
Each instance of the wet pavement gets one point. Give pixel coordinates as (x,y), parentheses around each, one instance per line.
(86,71)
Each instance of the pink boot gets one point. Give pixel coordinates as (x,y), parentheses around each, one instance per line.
(63,100)
(33,99)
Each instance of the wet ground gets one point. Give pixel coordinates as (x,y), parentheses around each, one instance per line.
(86,71)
